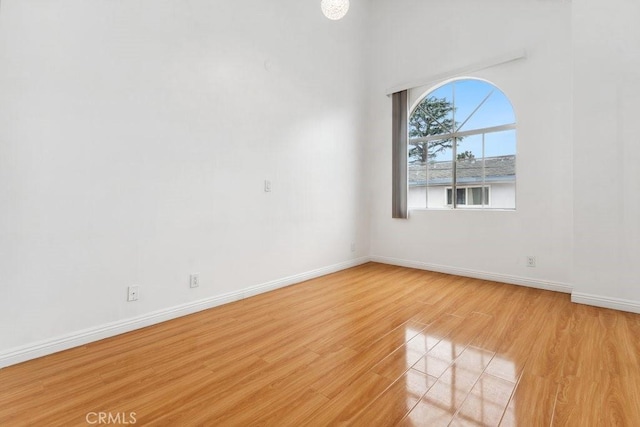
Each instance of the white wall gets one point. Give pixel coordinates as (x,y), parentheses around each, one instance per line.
(502,196)
(456,34)
(606,46)
(135,136)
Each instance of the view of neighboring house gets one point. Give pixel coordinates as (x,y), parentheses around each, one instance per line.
(430,184)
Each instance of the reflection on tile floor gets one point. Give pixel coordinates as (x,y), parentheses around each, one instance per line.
(443,381)
(466,391)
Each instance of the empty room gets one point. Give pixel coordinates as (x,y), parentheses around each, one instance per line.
(319,213)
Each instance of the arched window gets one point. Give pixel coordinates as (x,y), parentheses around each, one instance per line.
(462,148)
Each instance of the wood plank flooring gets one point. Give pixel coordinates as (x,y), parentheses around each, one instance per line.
(374,345)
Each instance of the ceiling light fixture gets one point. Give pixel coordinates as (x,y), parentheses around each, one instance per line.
(334,9)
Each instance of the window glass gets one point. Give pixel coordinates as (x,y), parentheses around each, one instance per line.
(475,196)
(462,139)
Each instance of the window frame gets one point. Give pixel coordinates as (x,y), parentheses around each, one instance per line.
(455,135)
(466,196)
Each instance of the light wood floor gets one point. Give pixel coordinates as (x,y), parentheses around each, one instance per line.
(375,345)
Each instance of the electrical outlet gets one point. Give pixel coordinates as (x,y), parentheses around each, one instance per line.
(133,293)
(531,261)
(267,186)
(194,280)
(353,247)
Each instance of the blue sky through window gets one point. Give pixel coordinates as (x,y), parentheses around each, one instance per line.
(494,110)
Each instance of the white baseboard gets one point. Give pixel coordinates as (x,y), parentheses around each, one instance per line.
(43,348)
(65,342)
(606,302)
(503,278)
